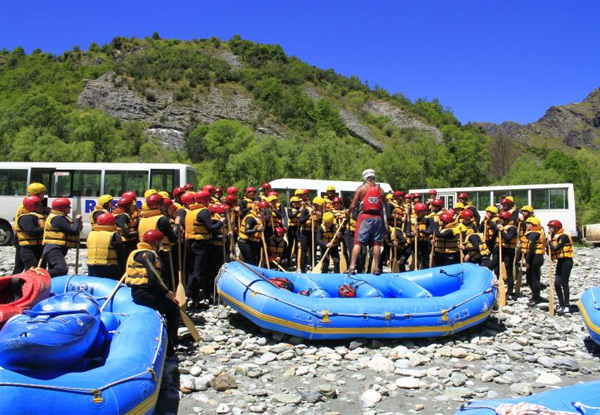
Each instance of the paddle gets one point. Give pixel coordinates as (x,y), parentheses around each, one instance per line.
(394,265)
(312,235)
(518,273)
(460,242)
(343,261)
(171,270)
(280,267)
(319,268)
(550,285)
(231,242)
(299,256)
(186,319)
(416,259)
(265,250)
(180,292)
(113,292)
(501,285)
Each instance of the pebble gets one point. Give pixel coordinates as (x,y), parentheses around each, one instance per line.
(516,352)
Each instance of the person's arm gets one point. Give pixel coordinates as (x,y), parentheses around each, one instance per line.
(510,234)
(30,225)
(63,224)
(204,217)
(358,196)
(532,237)
(319,238)
(117,244)
(122,221)
(475,242)
(476,215)
(164,225)
(145,258)
(304,216)
(400,238)
(251,226)
(561,241)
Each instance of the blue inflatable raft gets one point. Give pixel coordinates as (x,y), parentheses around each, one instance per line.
(590,312)
(582,398)
(120,373)
(426,303)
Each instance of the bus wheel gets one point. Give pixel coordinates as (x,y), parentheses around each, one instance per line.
(6,234)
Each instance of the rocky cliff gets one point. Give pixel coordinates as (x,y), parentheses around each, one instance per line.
(575,125)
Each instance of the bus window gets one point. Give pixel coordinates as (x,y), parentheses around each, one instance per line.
(61,184)
(41,176)
(191,178)
(539,198)
(558,198)
(118,182)
(86,183)
(13,182)
(521,197)
(481,200)
(162,180)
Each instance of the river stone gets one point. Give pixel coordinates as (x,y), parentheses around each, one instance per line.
(548,379)
(287,398)
(381,364)
(370,397)
(223,382)
(460,392)
(410,383)
(523,389)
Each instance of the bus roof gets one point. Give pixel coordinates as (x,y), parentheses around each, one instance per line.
(320,185)
(90,166)
(503,187)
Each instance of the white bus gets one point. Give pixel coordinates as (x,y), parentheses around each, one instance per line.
(317,187)
(83,183)
(550,201)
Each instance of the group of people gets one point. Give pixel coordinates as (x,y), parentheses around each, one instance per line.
(186,235)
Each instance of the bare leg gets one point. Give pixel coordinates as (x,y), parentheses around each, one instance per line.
(376,256)
(355,253)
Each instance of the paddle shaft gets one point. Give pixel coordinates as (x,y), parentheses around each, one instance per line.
(550,285)
(319,266)
(265,250)
(113,292)
(501,285)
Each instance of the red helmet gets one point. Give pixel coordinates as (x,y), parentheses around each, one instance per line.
(466,214)
(188,186)
(433,192)
(414,195)
(555,223)
(337,199)
(154,201)
(30,201)
(209,188)
(202,196)
(153,236)
(219,189)
(130,195)
(188,198)
(437,202)
(463,195)
(124,202)
(177,191)
(305,191)
(447,216)
(222,208)
(232,190)
(231,200)
(213,208)
(505,214)
(167,202)
(106,219)
(506,201)
(407,196)
(250,190)
(263,204)
(266,186)
(273,193)
(398,193)
(420,207)
(279,231)
(61,204)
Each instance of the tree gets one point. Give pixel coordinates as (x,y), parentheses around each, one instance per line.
(503,152)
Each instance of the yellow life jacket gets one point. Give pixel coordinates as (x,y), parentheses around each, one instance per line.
(20,210)
(540,244)
(512,244)
(293,221)
(328,233)
(194,229)
(255,237)
(24,238)
(95,213)
(418,227)
(53,235)
(136,271)
(100,251)
(130,225)
(483,248)
(447,246)
(149,222)
(565,251)
(489,236)
(276,220)
(352,224)
(216,239)
(307,226)
(397,212)
(276,248)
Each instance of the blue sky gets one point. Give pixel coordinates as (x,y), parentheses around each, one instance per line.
(486,60)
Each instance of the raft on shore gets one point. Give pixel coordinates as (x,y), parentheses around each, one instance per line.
(120,374)
(590,312)
(427,303)
(22,291)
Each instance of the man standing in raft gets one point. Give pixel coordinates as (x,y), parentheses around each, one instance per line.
(369,199)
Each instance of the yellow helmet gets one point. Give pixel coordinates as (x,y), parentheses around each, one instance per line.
(330,188)
(458,205)
(389,196)
(492,209)
(527,208)
(164,194)
(298,192)
(533,220)
(104,199)
(319,201)
(512,199)
(271,198)
(294,199)
(328,217)
(36,188)
(149,192)
(460,228)
(145,206)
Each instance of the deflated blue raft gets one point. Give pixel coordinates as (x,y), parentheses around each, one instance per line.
(582,398)
(57,332)
(590,312)
(119,374)
(426,303)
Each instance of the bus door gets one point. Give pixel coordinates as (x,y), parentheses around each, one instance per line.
(448,199)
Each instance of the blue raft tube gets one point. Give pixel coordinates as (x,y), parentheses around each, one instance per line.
(427,303)
(590,312)
(120,375)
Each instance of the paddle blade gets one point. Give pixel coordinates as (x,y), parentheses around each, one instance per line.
(395,266)
(343,263)
(180,296)
(502,289)
(190,325)
(318,269)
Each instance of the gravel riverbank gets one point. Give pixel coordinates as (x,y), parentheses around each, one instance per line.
(238,369)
